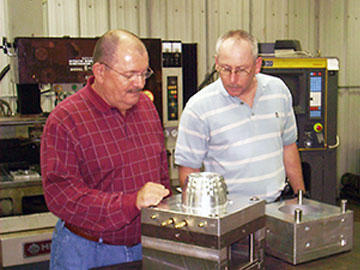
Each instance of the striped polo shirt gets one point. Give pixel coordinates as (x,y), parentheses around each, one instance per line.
(245,145)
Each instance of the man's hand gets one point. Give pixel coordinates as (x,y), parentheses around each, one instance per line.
(150,194)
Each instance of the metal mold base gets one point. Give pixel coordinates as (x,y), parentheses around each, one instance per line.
(322,230)
(161,254)
(178,237)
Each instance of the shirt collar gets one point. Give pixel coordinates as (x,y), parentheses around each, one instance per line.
(98,102)
(222,89)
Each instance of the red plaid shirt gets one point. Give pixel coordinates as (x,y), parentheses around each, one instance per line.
(94,160)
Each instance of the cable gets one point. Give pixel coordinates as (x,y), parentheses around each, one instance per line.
(4,71)
(336,144)
(5,112)
(208,79)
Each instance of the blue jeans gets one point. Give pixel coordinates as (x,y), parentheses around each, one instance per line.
(70,251)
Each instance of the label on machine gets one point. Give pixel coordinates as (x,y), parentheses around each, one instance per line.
(32,249)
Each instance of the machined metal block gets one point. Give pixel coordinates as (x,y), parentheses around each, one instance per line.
(175,236)
(299,233)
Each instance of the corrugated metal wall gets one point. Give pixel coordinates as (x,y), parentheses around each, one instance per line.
(3,58)
(339,23)
(328,27)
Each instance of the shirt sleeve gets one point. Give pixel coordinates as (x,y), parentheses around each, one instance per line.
(164,171)
(192,140)
(290,128)
(66,192)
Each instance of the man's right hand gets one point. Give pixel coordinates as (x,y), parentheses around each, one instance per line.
(151,194)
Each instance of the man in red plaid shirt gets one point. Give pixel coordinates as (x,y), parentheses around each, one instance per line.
(103,159)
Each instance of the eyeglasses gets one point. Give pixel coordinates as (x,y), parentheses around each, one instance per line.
(131,76)
(227,71)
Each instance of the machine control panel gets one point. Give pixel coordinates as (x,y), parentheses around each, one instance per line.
(172,79)
(316,89)
(172,97)
(172,82)
(314,133)
(307,80)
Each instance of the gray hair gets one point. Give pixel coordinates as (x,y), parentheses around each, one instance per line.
(238,35)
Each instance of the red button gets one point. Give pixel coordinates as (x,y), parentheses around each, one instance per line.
(318,127)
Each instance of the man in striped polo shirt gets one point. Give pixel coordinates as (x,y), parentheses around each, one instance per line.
(242,125)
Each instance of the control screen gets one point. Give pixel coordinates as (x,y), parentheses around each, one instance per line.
(315,94)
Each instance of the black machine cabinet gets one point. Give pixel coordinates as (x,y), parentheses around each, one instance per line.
(313,85)
(43,60)
(53,60)
(66,61)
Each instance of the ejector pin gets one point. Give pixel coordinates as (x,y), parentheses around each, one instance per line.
(300,197)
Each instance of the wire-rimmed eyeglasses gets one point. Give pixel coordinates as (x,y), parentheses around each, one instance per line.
(227,71)
(131,76)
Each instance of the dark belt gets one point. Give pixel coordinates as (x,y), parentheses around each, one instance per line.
(81,233)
